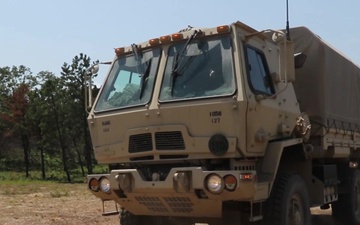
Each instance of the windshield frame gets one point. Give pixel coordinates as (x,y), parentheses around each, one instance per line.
(114,74)
(168,68)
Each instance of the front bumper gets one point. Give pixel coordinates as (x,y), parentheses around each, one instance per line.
(168,198)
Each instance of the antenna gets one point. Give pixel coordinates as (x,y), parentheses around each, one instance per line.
(287,21)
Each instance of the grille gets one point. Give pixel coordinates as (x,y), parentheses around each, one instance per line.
(245,167)
(140,143)
(171,140)
(152,203)
(179,204)
(174,204)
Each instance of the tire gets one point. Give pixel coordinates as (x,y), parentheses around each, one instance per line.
(347,209)
(289,202)
(127,218)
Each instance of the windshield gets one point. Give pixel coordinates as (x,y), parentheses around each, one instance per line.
(205,69)
(130,82)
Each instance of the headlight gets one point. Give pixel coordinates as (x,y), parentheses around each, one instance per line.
(214,183)
(124,180)
(105,185)
(182,181)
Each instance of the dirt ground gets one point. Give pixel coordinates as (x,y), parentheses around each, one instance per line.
(72,204)
(66,204)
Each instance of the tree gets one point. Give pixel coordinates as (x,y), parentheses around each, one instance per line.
(45,116)
(74,78)
(16,84)
(43,110)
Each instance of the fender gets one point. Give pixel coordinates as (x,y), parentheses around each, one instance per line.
(271,161)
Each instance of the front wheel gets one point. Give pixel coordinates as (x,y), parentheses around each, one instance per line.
(127,218)
(289,202)
(347,208)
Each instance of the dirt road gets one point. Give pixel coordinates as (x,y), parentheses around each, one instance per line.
(72,204)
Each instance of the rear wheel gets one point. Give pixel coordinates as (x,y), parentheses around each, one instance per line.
(289,202)
(347,208)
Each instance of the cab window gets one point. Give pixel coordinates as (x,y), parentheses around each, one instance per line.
(258,73)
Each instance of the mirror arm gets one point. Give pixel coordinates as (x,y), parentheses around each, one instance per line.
(88,95)
(88,86)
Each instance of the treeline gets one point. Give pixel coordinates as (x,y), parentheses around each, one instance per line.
(43,120)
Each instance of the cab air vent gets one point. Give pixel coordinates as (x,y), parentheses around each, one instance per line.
(140,143)
(171,140)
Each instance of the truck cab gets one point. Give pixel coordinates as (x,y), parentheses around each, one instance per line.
(194,126)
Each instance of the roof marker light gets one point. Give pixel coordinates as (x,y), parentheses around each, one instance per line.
(177,36)
(154,41)
(165,39)
(119,51)
(223,29)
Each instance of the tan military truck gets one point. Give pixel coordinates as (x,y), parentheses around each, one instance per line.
(229,125)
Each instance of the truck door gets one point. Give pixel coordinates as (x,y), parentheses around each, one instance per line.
(262,117)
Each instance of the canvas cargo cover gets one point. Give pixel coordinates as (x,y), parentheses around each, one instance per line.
(328,84)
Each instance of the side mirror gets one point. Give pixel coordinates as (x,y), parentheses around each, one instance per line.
(287,64)
(94,69)
(88,86)
(286,57)
(299,59)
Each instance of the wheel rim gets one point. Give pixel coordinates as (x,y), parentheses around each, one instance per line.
(296,210)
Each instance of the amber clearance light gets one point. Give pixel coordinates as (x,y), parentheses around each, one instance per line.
(119,51)
(165,39)
(177,36)
(154,41)
(223,29)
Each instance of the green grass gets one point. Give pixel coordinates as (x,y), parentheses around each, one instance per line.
(17,176)
(15,183)
(49,188)
(59,193)
(55,185)
(18,189)
(52,175)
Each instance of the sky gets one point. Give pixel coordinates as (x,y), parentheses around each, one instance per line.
(43,34)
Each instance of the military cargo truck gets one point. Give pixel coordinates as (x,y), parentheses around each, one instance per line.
(229,125)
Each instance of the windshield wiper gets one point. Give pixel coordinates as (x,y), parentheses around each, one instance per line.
(137,58)
(179,58)
(144,76)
